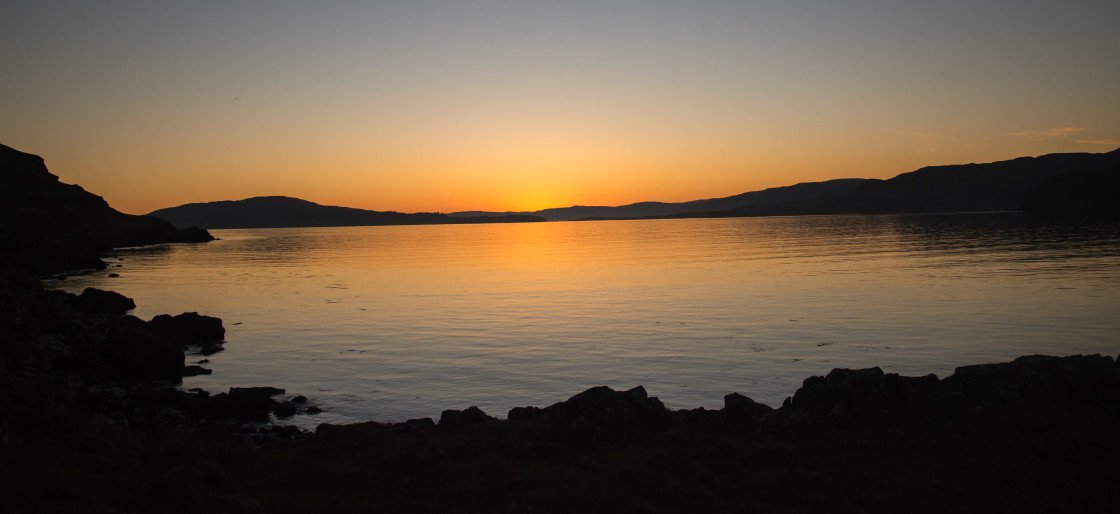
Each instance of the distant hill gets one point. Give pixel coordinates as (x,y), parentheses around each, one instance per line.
(996,186)
(774,195)
(283,211)
(1077,196)
(46,225)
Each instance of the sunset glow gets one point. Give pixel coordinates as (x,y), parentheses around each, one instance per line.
(493,105)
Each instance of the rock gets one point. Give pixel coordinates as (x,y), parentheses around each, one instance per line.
(108,302)
(418,424)
(192,327)
(527,414)
(602,406)
(253,394)
(193,370)
(285,410)
(699,415)
(241,403)
(299,399)
(138,353)
(313,410)
(471,416)
(584,433)
(739,408)
(917,398)
(49,226)
(1036,378)
(208,349)
(842,395)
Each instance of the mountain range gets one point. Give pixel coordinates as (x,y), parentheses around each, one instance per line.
(996,186)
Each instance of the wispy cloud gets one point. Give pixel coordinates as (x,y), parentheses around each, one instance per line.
(1043,134)
(1115,141)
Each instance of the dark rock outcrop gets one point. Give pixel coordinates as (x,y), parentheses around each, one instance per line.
(191,328)
(47,226)
(868,395)
(458,418)
(1037,378)
(242,403)
(601,405)
(195,370)
(94,300)
(738,408)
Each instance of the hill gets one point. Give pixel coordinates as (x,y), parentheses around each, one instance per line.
(283,211)
(1083,195)
(996,186)
(774,195)
(46,225)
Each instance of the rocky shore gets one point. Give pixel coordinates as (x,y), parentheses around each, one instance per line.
(92,390)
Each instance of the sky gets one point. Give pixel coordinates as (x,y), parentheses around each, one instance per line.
(444,106)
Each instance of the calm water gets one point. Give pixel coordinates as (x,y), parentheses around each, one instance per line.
(391,323)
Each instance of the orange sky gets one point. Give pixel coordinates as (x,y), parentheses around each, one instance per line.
(495,105)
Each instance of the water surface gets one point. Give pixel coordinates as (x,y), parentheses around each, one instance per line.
(391,323)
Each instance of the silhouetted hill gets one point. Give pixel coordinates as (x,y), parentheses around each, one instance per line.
(283,211)
(46,225)
(1083,195)
(774,195)
(996,186)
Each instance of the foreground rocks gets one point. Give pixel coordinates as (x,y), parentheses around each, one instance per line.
(85,352)
(842,398)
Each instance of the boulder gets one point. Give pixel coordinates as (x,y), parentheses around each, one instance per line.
(867,395)
(285,410)
(1037,378)
(739,408)
(191,327)
(96,301)
(841,393)
(601,406)
(242,403)
(194,370)
(253,394)
(471,416)
(916,398)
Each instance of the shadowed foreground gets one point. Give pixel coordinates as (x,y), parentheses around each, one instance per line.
(1041,457)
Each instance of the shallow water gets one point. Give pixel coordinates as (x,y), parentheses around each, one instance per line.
(391,323)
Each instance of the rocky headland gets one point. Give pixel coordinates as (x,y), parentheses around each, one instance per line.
(92,419)
(85,353)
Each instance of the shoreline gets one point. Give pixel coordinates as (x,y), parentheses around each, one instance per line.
(65,408)
(105,315)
